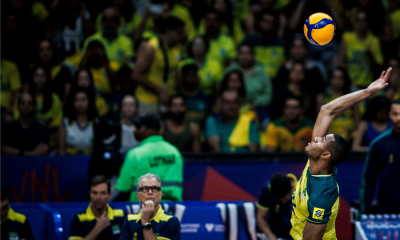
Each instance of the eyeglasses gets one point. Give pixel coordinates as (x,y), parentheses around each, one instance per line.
(154,189)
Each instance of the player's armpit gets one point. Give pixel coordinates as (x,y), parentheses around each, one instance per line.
(314,231)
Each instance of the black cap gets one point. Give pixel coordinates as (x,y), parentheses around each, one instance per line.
(148,120)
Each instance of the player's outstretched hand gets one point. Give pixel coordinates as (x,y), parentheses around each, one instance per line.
(381,83)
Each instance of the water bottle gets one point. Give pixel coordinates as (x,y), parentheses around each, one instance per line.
(385,230)
(379,226)
(371,234)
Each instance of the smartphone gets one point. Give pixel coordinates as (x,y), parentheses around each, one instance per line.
(156,8)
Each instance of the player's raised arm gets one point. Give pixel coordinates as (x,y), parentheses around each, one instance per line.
(341,104)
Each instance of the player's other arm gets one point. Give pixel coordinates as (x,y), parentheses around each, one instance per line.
(341,104)
(314,231)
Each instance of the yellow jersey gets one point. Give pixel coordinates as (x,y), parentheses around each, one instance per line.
(316,200)
(357,61)
(157,69)
(10,81)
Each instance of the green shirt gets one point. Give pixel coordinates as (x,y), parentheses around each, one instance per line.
(153,155)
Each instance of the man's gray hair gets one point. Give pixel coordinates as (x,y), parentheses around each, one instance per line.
(147,175)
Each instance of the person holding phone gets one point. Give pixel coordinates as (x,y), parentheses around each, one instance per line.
(151,222)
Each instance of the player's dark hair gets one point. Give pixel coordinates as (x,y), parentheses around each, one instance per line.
(280,185)
(190,45)
(4,193)
(99,179)
(187,68)
(339,150)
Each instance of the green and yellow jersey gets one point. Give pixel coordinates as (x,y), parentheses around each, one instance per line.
(316,200)
(156,71)
(284,139)
(10,81)
(357,60)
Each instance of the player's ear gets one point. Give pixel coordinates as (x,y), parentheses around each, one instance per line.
(326,155)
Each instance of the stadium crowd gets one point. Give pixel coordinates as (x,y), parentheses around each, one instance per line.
(223,75)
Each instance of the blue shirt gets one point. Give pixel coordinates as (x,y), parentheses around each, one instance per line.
(165,226)
(383,162)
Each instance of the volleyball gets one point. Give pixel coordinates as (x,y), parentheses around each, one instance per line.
(319,29)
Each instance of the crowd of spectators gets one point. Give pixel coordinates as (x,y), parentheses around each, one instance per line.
(224,75)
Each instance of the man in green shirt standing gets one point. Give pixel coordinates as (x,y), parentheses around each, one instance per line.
(153,155)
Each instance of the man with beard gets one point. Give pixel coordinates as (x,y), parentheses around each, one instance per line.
(178,131)
(315,202)
(153,155)
(291,132)
(25,136)
(99,221)
(118,47)
(383,162)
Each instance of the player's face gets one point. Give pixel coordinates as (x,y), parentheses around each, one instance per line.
(99,195)
(83,80)
(5,207)
(81,102)
(318,146)
(395,116)
(151,195)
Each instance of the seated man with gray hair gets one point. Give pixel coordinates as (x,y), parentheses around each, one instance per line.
(151,223)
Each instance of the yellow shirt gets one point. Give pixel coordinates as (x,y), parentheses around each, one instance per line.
(156,71)
(357,61)
(221,49)
(210,74)
(101,105)
(316,200)
(10,81)
(117,50)
(278,135)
